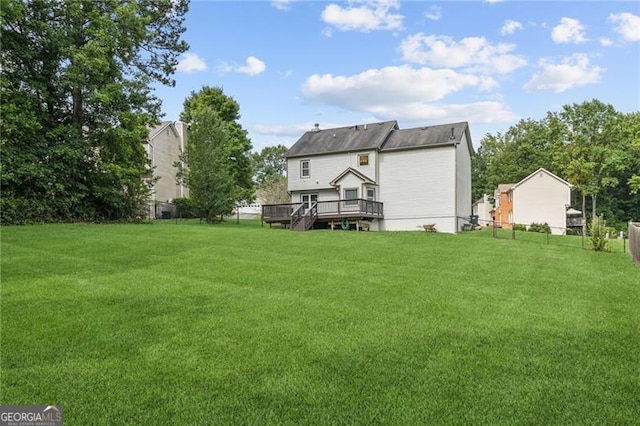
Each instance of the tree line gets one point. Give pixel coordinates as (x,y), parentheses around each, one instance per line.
(590,145)
(77,105)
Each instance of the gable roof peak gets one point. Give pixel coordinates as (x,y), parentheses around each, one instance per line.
(543,170)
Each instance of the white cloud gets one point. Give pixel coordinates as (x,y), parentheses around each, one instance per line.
(627,25)
(190,62)
(282,129)
(434,13)
(254,66)
(472,53)
(510,27)
(606,42)
(569,30)
(489,112)
(380,88)
(284,5)
(571,72)
(365,16)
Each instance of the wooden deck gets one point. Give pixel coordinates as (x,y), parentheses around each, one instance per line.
(330,212)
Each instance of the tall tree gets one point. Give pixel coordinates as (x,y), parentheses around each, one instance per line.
(209,175)
(237,143)
(269,164)
(76,103)
(592,154)
(508,158)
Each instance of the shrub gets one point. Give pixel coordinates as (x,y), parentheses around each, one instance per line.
(574,231)
(598,234)
(185,208)
(539,227)
(519,227)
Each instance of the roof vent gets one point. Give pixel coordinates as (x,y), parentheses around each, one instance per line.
(452,136)
(316,127)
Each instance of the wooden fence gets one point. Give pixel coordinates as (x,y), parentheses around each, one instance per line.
(634,241)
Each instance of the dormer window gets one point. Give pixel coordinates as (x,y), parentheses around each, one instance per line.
(363,159)
(305,169)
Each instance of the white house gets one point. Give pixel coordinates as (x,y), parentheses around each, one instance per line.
(482,209)
(541,197)
(165,144)
(391,178)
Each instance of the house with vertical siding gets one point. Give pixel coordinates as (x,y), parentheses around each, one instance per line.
(541,197)
(165,144)
(388,178)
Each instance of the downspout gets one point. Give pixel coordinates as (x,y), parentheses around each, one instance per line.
(455,184)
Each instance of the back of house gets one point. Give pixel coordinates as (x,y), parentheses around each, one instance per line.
(396,179)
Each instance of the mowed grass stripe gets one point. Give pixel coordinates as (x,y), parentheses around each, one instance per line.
(190,324)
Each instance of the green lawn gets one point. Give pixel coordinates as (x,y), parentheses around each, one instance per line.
(237,324)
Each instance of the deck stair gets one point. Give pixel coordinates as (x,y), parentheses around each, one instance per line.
(302,218)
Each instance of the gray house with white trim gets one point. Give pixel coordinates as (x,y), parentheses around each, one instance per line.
(394,179)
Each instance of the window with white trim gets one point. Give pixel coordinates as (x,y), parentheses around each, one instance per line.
(371,194)
(363,159)
(351,196)
(305,168)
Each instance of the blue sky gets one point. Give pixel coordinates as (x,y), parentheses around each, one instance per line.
(290,64)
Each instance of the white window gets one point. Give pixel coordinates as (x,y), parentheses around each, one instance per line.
(308,199)
(371,194)
(351,196)
(363,159)
(305,168)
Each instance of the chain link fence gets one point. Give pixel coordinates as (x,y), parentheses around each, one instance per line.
(545,234)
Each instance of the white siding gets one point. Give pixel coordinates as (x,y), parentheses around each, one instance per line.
(164,150)
(323,195)
(325,168)
(483,210)
(463,182)
(542,199)
(418,187)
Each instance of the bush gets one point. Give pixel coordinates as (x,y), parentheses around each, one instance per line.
(519,227)
(539,227)
(574,231)
(185,208)
(598,234)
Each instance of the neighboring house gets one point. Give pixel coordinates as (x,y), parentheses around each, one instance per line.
(503,211)
(482,209)
(391,178)
(541,197)
(165,144)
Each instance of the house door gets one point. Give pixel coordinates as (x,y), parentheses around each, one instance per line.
(308,199)
(371,196)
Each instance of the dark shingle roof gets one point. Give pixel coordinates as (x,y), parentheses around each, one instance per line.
(419,137)
(385,136)
(342,139)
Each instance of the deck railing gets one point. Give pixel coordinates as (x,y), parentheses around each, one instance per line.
(284,212)
(278,212)
(350,207)
(574,221)
(303,218)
